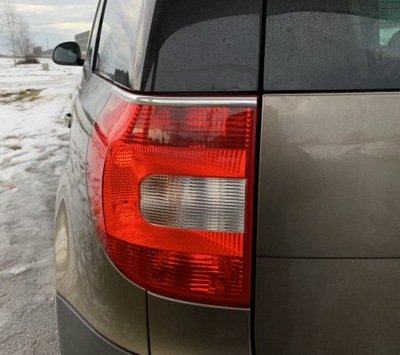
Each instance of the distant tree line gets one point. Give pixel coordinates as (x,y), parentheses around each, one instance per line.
(15,32)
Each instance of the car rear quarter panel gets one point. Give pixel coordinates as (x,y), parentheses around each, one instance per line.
(85,277)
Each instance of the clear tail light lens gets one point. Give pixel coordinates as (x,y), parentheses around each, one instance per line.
(193,203)
(171,190)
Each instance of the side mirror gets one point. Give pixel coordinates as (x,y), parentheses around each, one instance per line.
(68,53)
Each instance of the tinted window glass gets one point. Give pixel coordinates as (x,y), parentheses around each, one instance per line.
(326,45)
(124,34)
(109,39)
(181,45)
(92,39)
(218,54)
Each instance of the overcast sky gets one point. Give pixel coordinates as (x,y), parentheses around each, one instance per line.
(56,21)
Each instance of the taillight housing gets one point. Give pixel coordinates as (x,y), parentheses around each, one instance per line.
(171,189)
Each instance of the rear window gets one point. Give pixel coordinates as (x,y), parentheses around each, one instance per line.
(218,54)
(181,45)
(321,45)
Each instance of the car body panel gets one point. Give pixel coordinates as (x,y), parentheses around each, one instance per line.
(327,306)
(86,278)
(329,174)
(78,337)
(327,273)
(185,328)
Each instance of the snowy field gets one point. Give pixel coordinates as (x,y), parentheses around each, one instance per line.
(33,150)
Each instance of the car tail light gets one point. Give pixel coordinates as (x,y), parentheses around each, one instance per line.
(171,190)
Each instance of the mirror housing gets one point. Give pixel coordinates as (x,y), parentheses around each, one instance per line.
(68,53)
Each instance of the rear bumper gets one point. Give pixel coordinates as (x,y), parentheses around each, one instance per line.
(77,337)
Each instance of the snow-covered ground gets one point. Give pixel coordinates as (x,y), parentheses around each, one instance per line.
(33,150)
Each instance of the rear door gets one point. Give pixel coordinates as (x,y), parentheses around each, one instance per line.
(328,269)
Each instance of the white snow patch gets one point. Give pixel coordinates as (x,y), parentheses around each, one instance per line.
(33,151)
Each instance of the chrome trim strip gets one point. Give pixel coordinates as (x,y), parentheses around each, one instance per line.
(240,101)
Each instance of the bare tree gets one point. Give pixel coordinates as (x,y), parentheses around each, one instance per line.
(9,26)
(24,39)
(16,31)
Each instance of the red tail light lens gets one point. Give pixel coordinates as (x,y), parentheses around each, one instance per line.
(171,187)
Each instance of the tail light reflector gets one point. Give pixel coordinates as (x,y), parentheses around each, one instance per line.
(171,190)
